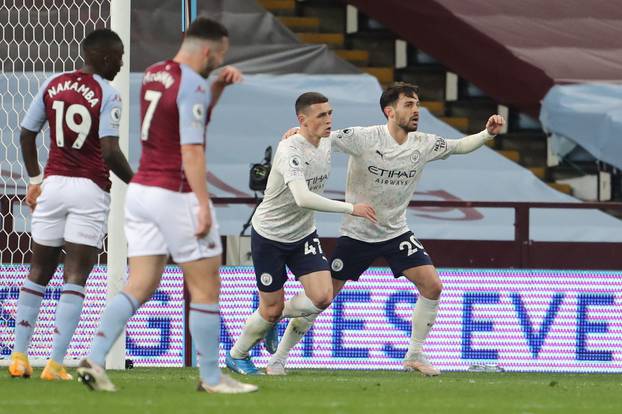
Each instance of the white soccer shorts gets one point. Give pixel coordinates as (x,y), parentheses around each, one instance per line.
(160,221)
(70,209)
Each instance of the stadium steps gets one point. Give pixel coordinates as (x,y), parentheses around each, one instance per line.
(357,57)
(437,108)
(531,149)
(429,78)
(385,75)
(563,188)
(373,51)
(531,145)
(300,23)
(379,44)
(332,40)
(511,155)
(279,7)
(540,172)
(476,110)
(332,16)
(459,122)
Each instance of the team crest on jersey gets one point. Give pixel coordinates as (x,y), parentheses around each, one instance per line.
(337,265)
(115,115)
(295,161)
(415,157)
(266,279)
(440,144)
(198,111)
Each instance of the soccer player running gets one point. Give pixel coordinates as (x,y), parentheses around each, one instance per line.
(284,234)
(386,162)
(168,209)
(70,200)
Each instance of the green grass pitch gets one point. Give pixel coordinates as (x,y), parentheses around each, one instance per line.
(172,391)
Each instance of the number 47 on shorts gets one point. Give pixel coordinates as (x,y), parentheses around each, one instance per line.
(313,248)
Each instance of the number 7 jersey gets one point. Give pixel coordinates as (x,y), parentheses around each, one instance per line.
(174,100)
(80,108)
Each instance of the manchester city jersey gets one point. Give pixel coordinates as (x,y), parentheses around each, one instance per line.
(278,217)
(384,174)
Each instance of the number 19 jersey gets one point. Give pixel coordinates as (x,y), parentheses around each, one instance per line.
(80,108)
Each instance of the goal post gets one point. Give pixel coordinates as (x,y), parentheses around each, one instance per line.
(120,22)
(41,40)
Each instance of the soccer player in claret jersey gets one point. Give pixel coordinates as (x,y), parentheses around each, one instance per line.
(386,162)
(283,232)
(168,210)
(70,200)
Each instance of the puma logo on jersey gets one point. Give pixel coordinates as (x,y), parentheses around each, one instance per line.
(380,153)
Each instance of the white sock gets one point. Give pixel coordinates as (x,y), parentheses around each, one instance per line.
(255,329)
(296,329)
(424,316)
(299,305)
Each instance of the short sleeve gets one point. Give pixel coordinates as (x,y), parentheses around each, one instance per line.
(192,102)
(110,113)
(290,163)
(438,148)
(36,116)
(349,140)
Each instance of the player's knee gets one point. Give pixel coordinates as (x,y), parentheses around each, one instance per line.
(323,301)
(141,293)
(40,275)
(75,279)
(435,289)
(205,297)
(205,293)
(272,312)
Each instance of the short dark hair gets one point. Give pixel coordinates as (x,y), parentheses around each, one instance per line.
(392,94)
(206,29)
(100,38)
(307,99)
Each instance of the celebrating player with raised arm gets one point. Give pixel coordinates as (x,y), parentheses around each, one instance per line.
(284,234)
(168,210)
(386,162)
(70,206)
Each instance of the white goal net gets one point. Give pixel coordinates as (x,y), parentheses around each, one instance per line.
(38,38)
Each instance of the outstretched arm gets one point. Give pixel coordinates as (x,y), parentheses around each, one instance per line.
(472,142)
(308,199)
